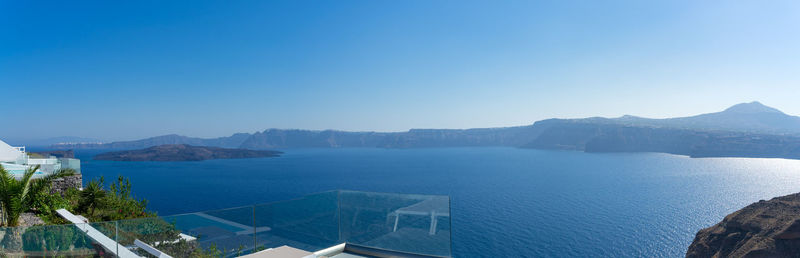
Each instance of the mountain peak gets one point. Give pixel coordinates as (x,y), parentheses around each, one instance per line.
(751,108)
(629,117)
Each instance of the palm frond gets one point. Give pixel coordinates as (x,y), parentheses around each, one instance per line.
(25,183)
(18,194)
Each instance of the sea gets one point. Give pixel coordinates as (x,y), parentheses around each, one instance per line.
(505,202)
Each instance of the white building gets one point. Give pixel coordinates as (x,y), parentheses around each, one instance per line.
(15,160)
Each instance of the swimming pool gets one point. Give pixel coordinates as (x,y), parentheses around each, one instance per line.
(18,170)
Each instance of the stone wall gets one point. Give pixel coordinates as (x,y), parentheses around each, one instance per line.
(61,185)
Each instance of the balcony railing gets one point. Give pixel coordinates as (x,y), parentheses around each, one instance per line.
(400,223)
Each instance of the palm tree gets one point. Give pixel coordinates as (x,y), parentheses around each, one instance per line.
(16,195)
(92,196)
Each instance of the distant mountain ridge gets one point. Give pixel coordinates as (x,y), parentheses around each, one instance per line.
(752,117)
(590,136)
(743,130)
(415,138)
(232,141)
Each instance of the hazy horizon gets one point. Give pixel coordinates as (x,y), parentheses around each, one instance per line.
(123,71)
(90,139)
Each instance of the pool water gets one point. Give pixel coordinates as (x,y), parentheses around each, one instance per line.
(18,170)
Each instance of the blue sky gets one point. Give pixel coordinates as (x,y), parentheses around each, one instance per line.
(124,70)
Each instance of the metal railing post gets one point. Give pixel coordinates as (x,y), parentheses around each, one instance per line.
(339,214)
(116,236)
(255,240)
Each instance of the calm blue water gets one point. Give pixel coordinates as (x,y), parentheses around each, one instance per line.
(506,202)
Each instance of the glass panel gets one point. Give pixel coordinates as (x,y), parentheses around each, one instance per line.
(71,163)
(417,224)
(103,234)
(60,240)
(193,234)
(309,223)
(227,232)
(158,232)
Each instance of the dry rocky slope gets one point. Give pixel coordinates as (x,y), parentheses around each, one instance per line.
(763,229)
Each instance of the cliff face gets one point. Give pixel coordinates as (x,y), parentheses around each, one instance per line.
(276,138)
(597,136)
(415,138)
(763,229)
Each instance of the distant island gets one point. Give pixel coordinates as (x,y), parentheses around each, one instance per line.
(743,130)
(184,152)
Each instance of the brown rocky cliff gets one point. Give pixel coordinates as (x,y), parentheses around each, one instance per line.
(763,229)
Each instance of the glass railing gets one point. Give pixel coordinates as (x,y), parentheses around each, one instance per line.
(413,224)
(54,240)
(418,224)
(71,163)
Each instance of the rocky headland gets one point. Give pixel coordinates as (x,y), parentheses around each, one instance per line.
(763,229)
